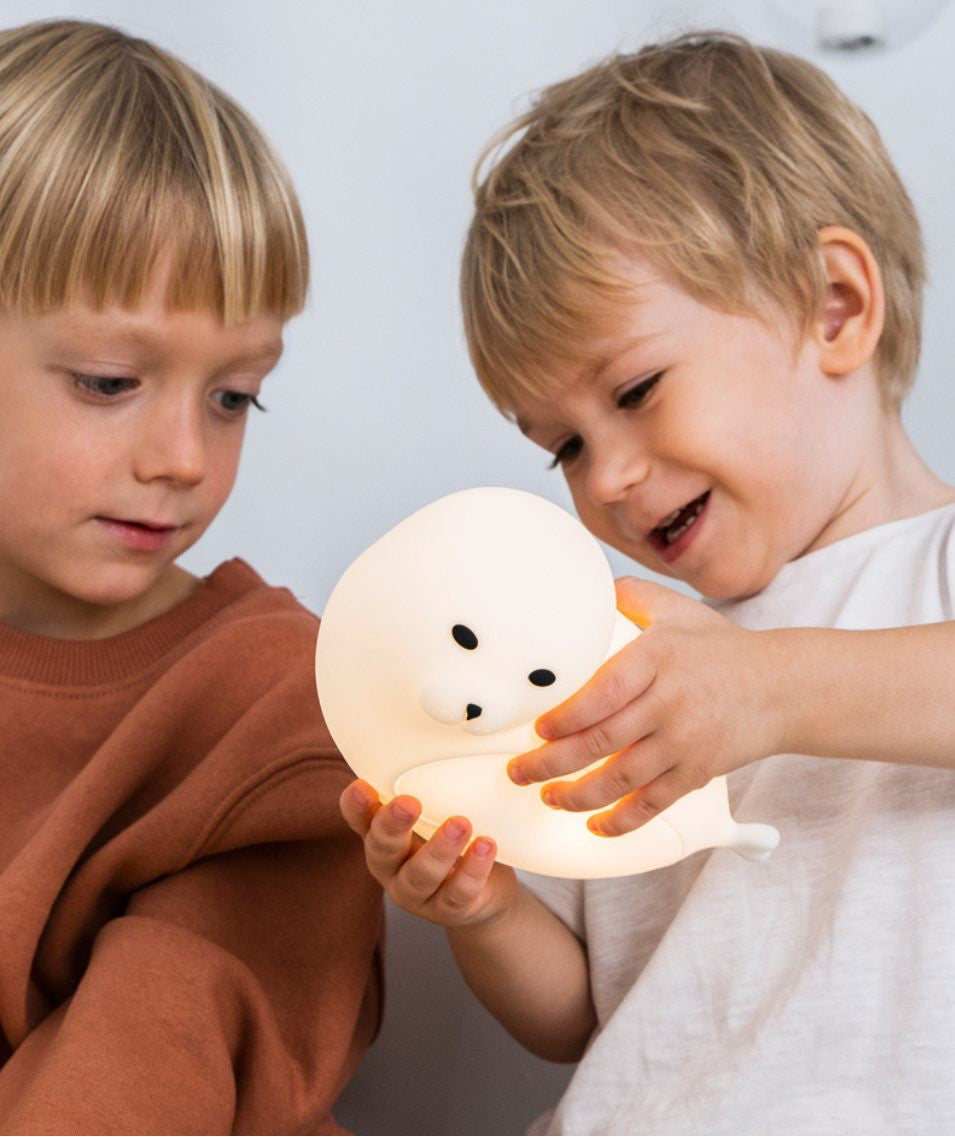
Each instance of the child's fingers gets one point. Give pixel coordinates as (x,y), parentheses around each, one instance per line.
(423,874)
(633,721)
(645,602)
(632,769)
(638,808)
(462,888)
(390,837)
(623,678)
(359,803)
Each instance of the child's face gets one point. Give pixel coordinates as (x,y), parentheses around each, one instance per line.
(706,446)
(119,443)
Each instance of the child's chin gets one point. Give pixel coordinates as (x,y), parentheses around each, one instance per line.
(128,586)
(723,588)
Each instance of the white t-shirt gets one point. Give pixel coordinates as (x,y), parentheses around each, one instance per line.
(815,992)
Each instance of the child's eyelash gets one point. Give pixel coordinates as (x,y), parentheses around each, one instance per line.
(637,394)
(566,452)
(634,396)
(103,386)
(242,402)
(107,387)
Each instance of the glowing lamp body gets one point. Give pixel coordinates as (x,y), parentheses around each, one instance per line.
(443,643)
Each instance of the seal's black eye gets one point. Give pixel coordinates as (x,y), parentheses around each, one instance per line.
(542,677)
(465,637)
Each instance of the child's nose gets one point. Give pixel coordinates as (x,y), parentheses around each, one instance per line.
(172,446)
(614,471)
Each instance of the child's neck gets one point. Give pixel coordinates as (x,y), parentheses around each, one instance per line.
(893,483)
(47,613)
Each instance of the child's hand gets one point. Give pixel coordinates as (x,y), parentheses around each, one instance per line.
(689,699)
(440,879)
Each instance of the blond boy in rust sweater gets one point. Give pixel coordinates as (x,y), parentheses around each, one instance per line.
(188,927)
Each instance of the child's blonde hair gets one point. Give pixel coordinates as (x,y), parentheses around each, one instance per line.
(719,162)
(116,157)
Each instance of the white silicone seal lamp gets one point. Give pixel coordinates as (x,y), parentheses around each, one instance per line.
(442,644)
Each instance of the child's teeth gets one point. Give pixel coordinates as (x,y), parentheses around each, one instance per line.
(694,512)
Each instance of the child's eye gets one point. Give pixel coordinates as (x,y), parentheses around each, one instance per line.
(236,402)
(103,386)
(567,451)
(636,395)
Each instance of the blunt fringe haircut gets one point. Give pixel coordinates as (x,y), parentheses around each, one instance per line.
(715,160)
(115,157)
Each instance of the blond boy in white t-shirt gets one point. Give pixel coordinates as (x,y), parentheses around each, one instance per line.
(695,279)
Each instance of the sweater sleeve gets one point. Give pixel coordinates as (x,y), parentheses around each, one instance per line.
(232,996)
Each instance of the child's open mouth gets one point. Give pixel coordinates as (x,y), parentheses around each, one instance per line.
(665,535)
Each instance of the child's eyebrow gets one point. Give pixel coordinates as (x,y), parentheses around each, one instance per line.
(90,334)
(599,363)
(102,325)
(269,353)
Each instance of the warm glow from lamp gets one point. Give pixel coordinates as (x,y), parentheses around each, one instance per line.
(443,643)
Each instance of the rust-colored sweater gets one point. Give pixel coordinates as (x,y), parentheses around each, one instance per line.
(187,929)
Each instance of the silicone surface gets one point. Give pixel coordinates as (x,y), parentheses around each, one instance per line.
(442,644)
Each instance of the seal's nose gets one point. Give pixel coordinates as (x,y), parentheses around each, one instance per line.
(473,711)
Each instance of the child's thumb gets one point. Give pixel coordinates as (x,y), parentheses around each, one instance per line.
(646,602)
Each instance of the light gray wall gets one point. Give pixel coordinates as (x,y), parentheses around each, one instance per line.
(380,107)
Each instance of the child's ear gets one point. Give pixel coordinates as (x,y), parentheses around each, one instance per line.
(848,327)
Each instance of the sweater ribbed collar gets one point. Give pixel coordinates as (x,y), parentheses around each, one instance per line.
(80,663)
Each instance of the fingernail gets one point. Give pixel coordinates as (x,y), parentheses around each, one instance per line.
(400,813)
(594,826)
(549,798)
(544,730)
(360,795)
(483,847)
(517,776)
(455,829)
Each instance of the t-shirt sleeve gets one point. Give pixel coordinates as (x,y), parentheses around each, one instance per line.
(565,898)
(234,995)
(947,571)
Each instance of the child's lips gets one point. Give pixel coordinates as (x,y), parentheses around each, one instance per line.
(672,535)
(143,536)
